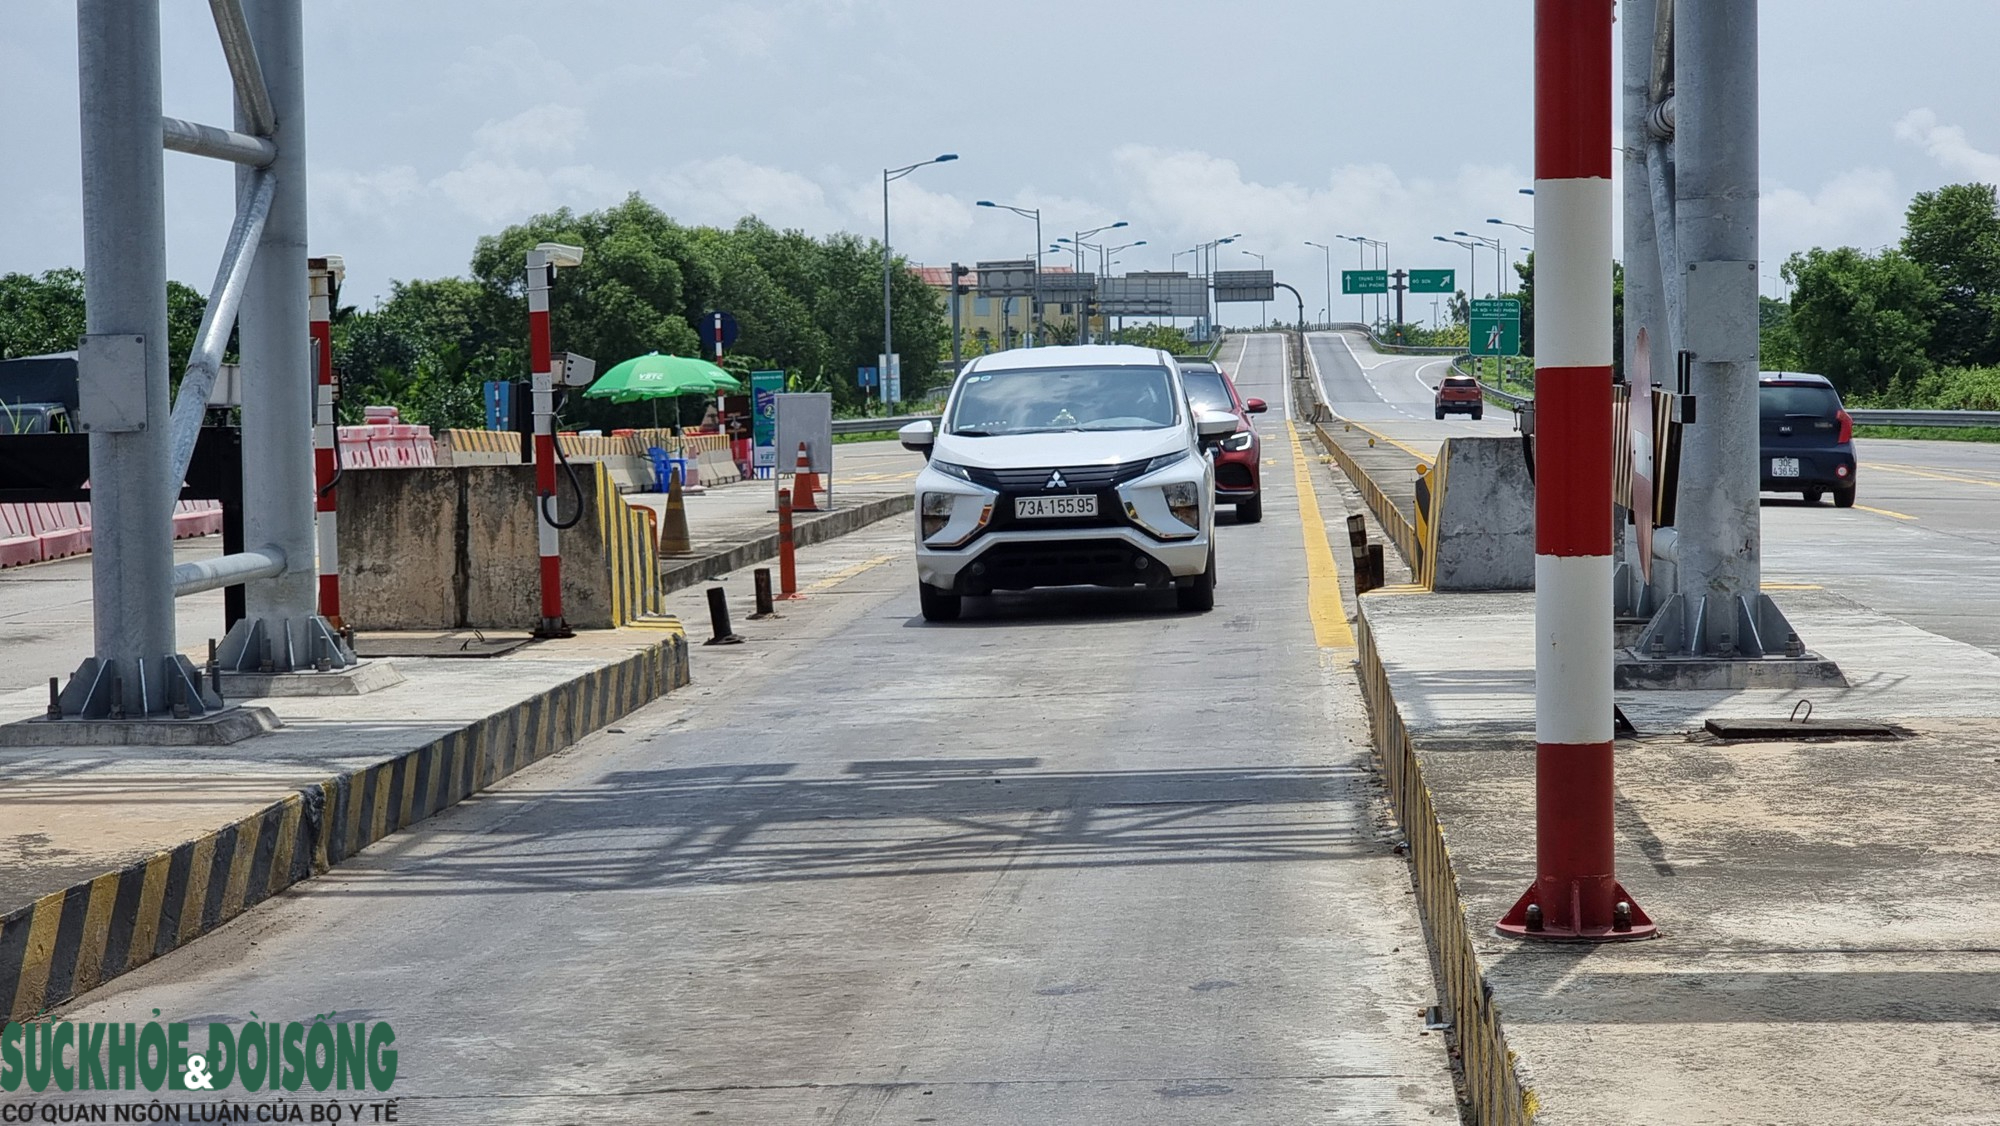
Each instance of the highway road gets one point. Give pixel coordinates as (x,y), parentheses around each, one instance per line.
(1922,542)
(1077,858)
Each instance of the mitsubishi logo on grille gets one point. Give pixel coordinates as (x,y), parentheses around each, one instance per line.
(1056,481)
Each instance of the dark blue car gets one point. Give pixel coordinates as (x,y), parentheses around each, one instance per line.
(1807,437)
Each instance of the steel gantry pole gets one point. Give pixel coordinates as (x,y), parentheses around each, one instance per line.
(1576,895)
(281,631)
(123,362)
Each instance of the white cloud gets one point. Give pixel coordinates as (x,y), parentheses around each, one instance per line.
(724,189)
(1948,145)
(1861,207)
(544,130)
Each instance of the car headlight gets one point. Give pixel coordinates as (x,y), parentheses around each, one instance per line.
(1184,502)
(950,469)
(936,512)
(1165,460)
(1239,441)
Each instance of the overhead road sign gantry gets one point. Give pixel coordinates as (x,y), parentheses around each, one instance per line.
(1364,281)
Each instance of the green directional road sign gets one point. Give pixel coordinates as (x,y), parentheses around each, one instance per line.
(1364,281)
(1496,328)
(1433,281)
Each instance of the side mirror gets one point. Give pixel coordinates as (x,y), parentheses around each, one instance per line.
(1213,426)
(1255,406)
(918,436)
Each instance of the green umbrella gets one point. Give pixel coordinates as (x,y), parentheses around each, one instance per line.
(653,376)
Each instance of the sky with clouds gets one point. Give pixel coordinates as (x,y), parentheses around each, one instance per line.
(432,122)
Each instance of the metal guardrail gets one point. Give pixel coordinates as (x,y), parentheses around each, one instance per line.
(1864,416)
(883,425)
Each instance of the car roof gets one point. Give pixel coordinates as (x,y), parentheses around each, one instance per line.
(1071,355)
(1793,377)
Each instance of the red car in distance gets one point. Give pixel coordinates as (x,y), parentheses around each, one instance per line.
(1239,479)
(1460,393)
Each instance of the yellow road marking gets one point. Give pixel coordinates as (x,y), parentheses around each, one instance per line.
(842,576)
(1928,473)
(1329,617)
(1414,452)
(1884,512)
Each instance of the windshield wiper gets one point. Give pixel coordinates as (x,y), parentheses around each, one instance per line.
(972,433)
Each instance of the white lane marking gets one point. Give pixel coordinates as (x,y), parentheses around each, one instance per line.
(1356,356)
(1418,375)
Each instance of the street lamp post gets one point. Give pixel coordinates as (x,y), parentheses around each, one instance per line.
(1034,213)
(889,174)
(1383,262)
(1329,275)
(1499,259)
(1083,307)
(1472,267)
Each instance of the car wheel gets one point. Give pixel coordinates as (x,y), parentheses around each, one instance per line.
(1844,498)
(1478,413)
(1250,511)
(1440,414)
(1198,597)
(1812,496)
(939,605)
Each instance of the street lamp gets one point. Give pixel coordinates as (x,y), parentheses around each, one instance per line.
(1499,259)
(1516,226)
(1372,244)
(1329,276)
(1471,271)
(1034,213)
(888,174)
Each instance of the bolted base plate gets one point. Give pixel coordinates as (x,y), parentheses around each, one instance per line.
(1514,924)
(217,729)
(354,680)
(1634,670)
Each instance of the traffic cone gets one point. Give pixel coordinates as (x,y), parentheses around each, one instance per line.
(804,483)
(674,523)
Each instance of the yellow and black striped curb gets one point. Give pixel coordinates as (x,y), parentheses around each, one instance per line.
(73,940)
(1499,1093)
(631,539)
(486,441)
(1394,523)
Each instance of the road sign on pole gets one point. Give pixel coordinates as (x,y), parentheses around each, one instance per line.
(867,377)
(1364,281)
(1495,328)
(1433,281)
(764,388)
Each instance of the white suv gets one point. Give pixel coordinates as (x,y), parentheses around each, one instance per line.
(1066,466)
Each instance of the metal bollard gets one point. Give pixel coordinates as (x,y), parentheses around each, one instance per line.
(117,696)
(765,607)
(718,619)
(177,693)
(55,698)
(788,568)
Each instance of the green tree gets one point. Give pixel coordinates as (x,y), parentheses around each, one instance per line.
(1864,321)
(40,315)
(1778,345)
(1953,236)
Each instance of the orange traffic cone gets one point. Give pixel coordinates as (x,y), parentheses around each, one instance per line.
(674,539)
(804,483)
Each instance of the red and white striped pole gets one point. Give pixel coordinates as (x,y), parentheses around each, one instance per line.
(325,274)
(541,271)
(1576,896)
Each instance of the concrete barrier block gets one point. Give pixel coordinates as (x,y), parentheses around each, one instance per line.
(1483,536)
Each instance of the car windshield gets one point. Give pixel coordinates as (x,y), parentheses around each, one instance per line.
(1207,391)
(1039,400)
(1460,381)
(1815,400)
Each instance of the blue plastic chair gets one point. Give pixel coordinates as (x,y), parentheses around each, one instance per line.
(666,467)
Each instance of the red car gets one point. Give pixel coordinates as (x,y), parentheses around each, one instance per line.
(1460,393)
(1238,477)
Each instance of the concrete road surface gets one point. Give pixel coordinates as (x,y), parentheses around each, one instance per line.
(1079,858)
